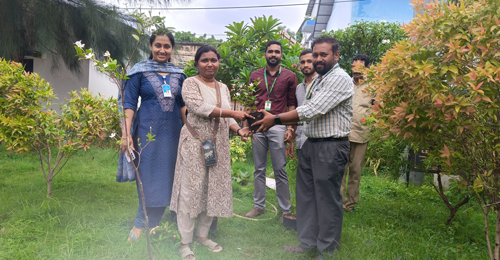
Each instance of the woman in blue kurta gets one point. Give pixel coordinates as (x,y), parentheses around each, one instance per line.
(157,83)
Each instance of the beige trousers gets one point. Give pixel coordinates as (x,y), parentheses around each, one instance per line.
(353,168)
(185,223)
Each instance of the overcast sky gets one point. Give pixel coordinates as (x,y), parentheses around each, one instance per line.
(214,21)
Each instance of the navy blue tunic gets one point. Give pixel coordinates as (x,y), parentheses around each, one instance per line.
(160,116)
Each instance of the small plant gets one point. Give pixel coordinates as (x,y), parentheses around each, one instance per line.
(241,177)
(293,202)
(166,232)
(239,149)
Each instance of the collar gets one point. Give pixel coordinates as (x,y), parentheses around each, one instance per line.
(267,71)
(329,72)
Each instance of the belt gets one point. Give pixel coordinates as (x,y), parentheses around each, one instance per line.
(328,139)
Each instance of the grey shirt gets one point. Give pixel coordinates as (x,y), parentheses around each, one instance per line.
(300,93)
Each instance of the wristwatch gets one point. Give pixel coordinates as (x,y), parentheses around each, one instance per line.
(277,120)
(238,131)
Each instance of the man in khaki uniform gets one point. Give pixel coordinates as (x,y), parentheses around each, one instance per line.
(358,138)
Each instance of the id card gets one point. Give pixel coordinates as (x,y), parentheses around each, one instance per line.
(267,106)
(209,153)
(166,91)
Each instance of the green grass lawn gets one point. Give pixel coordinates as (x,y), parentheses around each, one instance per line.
(90,215)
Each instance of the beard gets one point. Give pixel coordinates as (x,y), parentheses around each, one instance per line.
(311,72)
(273,63)
(326,67)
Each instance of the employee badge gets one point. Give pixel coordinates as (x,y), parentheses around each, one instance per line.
(166,91)
(267,106)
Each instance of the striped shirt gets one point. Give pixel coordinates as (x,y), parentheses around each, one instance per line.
(328,105)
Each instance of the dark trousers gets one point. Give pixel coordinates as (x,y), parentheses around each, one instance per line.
(319,202)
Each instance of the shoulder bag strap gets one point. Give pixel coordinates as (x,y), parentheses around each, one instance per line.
(217,119)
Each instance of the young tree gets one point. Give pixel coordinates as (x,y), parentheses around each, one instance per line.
(29,124)
(440,90)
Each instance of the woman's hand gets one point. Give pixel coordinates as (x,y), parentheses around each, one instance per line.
(124,144)
(240,115)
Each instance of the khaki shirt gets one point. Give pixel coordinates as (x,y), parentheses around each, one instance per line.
(362,106)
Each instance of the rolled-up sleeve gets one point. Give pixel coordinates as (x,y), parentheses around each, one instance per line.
(332,93)
(132,89)
(194,100)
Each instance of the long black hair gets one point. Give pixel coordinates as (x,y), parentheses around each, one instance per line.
(161,32)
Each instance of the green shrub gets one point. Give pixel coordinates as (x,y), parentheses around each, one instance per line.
(29,124)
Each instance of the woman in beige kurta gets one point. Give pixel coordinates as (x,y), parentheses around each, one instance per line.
(202,192)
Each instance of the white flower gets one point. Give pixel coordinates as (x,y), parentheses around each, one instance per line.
(89,56)
(112,135)
(107,54)
(386,41)
(383,21)
(79,44)
(237,94)
(323,31)
(105,65)
(251,85)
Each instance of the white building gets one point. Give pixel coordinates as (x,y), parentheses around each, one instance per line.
(328,15)
(63,81)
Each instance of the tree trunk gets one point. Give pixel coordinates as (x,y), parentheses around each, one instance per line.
(485,213)
(497,234)
(453,209)
(49,188)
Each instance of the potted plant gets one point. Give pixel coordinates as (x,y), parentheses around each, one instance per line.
(290,220)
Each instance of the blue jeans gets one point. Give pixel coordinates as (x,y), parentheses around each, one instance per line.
(154,216)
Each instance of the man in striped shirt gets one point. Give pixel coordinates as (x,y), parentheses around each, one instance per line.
(327,113)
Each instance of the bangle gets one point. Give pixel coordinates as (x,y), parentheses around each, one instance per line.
(291,129)
(220,109)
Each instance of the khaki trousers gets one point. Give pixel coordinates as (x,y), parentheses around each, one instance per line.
(185,223)
(353,168)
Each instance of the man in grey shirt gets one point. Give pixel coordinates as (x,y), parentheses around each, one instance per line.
(307,68)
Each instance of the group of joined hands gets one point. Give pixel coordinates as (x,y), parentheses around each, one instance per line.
(265,124)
